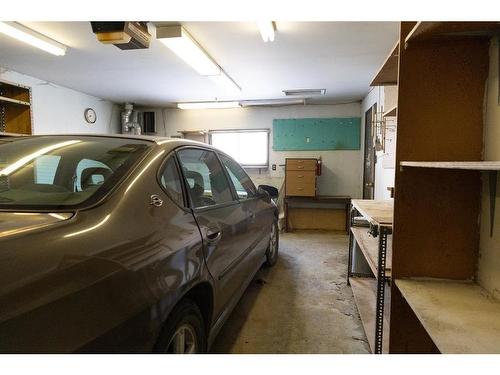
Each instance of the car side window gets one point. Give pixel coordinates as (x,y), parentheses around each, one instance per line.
(242,183)
(206,181)
(171,181)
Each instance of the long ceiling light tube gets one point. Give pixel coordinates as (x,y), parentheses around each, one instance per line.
(24,34)
(208,105)
(179,41)
(266,29)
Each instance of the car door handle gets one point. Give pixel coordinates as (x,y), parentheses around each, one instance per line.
(213,235)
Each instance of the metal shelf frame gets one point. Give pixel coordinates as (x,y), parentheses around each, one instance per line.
(380,231)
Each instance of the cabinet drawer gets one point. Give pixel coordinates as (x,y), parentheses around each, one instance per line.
(300,164)
(300,189)
(302,177)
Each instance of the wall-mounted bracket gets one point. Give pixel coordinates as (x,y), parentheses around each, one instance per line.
(492,175)
(374,230)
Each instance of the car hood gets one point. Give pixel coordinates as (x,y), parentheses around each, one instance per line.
(12,223)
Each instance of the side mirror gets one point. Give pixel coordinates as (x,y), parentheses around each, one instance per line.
(271,190)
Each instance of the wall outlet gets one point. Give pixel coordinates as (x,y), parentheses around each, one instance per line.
(273,167)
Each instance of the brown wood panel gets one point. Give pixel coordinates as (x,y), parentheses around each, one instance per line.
(436,231)
(301,164)
(324,218)
(407,335)
(17,119)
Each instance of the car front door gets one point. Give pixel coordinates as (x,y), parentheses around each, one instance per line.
(223,223)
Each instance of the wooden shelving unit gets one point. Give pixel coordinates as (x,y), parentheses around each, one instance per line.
(391,112)
(388,72)
(460,317)
(435,307)
(369,289)
(425,31)
(15,108)
(463,165)
(13,101)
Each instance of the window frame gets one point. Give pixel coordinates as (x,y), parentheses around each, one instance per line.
(245,166)
(159,174)
(185,182)
(228,177)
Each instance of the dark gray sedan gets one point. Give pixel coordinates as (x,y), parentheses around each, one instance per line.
(125,244)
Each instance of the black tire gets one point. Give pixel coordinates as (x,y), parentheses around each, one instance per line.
(272,254)
(185,314)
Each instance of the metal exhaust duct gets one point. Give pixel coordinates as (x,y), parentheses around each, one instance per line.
(130,123)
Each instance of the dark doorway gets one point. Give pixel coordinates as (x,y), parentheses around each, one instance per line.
(369,160)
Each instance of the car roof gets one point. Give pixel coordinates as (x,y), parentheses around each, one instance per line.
(170,142)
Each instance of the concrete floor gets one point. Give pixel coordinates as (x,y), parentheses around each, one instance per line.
(301,305)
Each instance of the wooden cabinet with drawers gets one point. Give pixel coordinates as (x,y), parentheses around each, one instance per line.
(300,177)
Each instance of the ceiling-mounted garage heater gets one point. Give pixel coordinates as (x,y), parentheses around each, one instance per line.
(124,35)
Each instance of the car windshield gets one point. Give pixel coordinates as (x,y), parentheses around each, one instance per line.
(60,172)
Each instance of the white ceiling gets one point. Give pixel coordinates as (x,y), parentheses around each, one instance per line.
(342,57)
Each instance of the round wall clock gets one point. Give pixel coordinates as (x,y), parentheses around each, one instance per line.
(90,115)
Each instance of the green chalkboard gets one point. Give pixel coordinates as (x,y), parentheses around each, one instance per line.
(317,134)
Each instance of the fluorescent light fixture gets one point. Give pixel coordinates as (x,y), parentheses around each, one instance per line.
(272,102)
(224,81)
(24,34)
(266,29)
(208,105)
(183,45)
(305,92)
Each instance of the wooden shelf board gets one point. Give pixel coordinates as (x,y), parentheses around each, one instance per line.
(459,316)
(391,112)
(369,247)
(433,30)
(466,165)
(378,212)
(13,101)
(365,295)
(388,72)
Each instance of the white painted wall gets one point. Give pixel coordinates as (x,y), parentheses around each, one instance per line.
(57,109)
(384,178)
(341,169)
(489,260)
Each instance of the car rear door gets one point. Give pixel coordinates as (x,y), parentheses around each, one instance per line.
(223,224)
(260,212)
